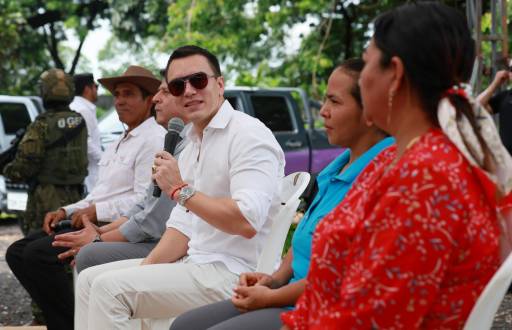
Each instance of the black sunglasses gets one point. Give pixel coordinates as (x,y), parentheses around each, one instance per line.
(198,80)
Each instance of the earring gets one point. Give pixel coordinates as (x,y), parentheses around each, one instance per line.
(391,94)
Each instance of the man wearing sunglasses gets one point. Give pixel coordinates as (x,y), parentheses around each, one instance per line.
(226,182)
(86,94)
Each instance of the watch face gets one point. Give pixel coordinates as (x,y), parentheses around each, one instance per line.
(186,191)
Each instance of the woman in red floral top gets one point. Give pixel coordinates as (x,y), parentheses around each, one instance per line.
(416,240)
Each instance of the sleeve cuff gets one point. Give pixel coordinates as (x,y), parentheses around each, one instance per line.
(254,205)
(103,212)
(131,231)
(69,210)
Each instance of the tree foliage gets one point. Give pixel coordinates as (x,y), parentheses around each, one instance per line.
(32,36)
(33,33)
(259,42)
(257,39)
(22,50)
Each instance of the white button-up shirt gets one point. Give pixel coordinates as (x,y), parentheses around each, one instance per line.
(124,172)
(238,157)
(88,110)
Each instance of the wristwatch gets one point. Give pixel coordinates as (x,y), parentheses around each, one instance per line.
(184,194)
(97,238)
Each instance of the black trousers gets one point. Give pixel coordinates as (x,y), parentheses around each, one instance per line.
(33,260)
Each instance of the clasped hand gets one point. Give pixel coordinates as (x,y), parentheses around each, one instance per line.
(52,218)
(77,219)
(252,292)
(166,172)
(76,240)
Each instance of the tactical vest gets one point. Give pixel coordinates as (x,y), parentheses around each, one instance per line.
(65,162)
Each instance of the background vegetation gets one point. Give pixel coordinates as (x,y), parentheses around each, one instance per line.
(259,42)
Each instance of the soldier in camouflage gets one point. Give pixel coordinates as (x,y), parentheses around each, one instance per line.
(52,156)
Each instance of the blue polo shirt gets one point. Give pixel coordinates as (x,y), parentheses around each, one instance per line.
(332,187)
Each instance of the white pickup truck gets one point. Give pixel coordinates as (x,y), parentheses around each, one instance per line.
(15,112)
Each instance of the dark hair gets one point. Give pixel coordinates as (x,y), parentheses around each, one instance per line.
(353,68)
(145,93)
(435,45)
(190,50)
(81,81)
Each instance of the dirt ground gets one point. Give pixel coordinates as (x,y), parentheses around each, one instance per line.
(15,302)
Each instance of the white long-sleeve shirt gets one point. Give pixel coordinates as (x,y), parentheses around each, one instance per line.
(124,172)
(239,158)
(88,110)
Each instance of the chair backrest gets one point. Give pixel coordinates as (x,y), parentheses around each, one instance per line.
(292,187)
(482,314)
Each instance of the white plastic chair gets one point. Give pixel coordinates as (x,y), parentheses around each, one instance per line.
(482,314)
(292,187)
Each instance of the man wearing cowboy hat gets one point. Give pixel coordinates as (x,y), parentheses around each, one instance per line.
(138,231)
(124,174)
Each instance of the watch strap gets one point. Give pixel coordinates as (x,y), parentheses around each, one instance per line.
(97,238)
(185,194)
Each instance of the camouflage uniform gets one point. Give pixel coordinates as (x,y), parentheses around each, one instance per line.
(54,171)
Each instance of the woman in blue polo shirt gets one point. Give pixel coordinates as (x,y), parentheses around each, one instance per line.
(260,298)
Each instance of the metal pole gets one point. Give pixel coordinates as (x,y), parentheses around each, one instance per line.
(504,29)
(478,32)
(494,39)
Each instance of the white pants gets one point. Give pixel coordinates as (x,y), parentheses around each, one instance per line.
(111,296)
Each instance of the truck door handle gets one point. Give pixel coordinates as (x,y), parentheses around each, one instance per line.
(293,144)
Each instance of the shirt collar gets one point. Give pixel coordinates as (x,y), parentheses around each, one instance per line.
(146,125)
(334,167)
(184,133)
(219,121)
(360,163)
(86,102)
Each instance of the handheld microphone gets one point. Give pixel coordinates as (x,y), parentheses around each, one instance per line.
(174,128)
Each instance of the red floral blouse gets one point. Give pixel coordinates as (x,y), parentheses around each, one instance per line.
(411,246)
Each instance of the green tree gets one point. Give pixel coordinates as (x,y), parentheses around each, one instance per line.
(255,41)
(22,50)
(33,33)
(32,36)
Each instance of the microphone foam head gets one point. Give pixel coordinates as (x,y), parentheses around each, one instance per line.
(175,125)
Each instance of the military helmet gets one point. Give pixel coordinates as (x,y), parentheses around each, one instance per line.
(57,86)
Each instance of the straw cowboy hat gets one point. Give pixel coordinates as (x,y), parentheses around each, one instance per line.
(136,75)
